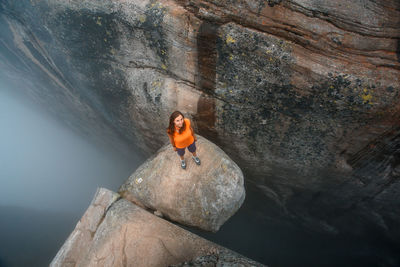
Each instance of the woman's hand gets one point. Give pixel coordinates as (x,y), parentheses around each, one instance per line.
(195,138)
(174,148)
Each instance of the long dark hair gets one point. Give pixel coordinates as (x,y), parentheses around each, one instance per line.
(171,126)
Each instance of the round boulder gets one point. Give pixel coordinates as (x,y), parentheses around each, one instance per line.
(204,195)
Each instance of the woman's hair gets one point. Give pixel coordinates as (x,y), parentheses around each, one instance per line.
(171,126)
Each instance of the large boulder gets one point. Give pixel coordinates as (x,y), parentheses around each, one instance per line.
(203,195)
(115,232)
(303,95)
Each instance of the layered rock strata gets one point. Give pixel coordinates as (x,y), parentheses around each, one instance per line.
(304,95)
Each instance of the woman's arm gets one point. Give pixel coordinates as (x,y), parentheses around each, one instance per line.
(171,139)
(194,136)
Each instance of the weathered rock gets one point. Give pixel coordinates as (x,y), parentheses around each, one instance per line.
(292,90)
(226,258)
(204,196)
(78,243)
(130,236)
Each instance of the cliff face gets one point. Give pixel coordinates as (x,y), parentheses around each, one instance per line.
(304,95)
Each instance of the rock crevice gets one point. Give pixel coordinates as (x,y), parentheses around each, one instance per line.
(131,236)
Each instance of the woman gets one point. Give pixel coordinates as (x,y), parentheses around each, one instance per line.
(181,136)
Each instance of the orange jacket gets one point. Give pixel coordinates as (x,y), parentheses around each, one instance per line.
(185,138)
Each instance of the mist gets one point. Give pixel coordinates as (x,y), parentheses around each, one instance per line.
(48,176)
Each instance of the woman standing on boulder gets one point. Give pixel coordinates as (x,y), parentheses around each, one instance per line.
(181,136)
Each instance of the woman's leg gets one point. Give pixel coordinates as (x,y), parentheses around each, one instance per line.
(192,148)
(181,152)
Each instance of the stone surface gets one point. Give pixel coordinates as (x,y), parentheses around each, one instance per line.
(78,242)
(303,95)
(203,195)
(221,259)
(130,236)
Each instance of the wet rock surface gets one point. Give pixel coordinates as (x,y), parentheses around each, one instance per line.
(203,195)
(304,95)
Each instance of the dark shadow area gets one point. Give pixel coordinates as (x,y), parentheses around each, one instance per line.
(207,56)
(31,237)
(398,26)
(205,79)
(277,243)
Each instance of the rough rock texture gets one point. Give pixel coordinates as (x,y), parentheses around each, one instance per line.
(221,259)
(304,95)
(78,243)
(203,195)
(126,235)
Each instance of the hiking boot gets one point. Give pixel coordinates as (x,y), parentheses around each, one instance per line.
(196,159)
(183,164)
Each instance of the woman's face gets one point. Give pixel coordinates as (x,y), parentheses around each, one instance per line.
(178,121)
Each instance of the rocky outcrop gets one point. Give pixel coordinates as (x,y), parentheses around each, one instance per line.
(78,243)
(115,232)
(204,196)
(304,95)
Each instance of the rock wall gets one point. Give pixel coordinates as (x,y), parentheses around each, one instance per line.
(304,95)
